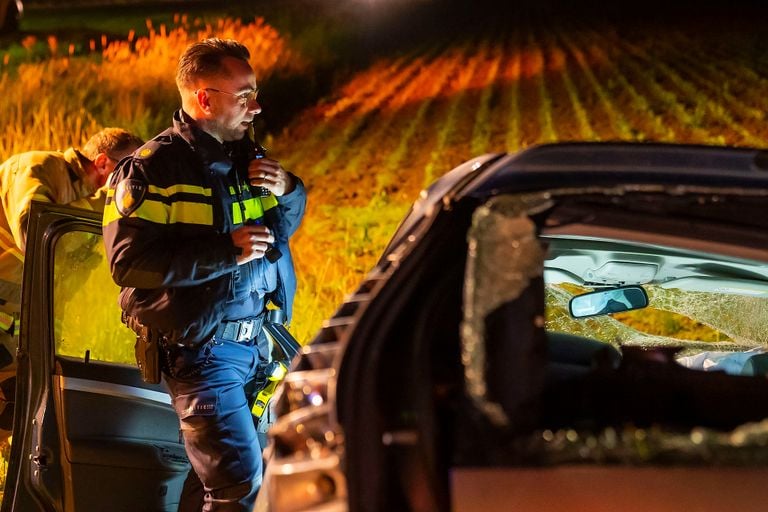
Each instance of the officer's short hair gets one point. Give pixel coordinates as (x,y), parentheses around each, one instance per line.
(204,59)
(110,141)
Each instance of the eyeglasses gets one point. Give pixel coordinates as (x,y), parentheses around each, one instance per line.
(242,98)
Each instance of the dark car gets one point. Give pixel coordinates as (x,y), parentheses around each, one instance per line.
(10,14)
(574,327)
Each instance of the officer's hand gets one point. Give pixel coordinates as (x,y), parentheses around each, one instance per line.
(267,173)
(253,242)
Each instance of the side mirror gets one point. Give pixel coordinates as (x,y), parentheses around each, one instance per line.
(604,302)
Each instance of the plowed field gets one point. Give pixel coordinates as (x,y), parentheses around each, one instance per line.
(391,129)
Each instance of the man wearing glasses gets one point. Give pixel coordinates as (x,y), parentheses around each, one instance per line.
(196,228)
(73,177)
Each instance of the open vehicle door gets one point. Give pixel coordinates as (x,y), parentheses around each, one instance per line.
(89,434)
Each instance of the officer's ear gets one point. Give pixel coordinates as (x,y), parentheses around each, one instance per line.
(204,100)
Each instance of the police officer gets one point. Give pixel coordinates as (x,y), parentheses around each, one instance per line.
(196,230)
(71,177)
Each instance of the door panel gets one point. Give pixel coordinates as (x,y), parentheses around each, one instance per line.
(119,436)
(89,434)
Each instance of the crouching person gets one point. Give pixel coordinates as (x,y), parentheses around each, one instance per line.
(74,177)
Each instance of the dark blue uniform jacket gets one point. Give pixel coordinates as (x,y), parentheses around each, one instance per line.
(170,209)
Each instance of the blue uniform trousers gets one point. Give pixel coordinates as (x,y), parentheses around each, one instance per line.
(211,390)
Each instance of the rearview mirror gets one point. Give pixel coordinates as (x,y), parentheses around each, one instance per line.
(604,302)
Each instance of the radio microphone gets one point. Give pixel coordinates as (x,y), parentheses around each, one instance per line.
(258,151)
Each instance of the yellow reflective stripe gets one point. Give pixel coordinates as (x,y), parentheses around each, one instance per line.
(175,189)
(152,211)
(160,213)
(6,321)
(191,213)
(269,202)
(110,213)
(253,210)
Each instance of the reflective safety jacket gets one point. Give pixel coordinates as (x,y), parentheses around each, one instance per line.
(46,176)
(170,210)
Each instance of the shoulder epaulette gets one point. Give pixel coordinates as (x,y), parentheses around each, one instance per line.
(147,150)
(151,146)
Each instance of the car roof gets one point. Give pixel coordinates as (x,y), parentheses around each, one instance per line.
(580,164)
(585,164)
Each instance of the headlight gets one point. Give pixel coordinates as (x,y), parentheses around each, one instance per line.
(304,463)
(303,471)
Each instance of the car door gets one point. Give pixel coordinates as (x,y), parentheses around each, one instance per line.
(89,434)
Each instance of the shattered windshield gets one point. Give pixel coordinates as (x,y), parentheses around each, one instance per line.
(697,320)
(586,389)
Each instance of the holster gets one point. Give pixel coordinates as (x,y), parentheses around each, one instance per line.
(147,350)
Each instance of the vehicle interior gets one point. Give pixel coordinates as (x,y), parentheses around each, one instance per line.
(485,367)
(701,271)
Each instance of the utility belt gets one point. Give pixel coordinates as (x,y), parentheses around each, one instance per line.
(240,331)
(149,341)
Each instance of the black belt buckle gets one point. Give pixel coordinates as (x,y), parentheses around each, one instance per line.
(238,331)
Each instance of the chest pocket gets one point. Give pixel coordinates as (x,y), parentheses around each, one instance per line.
(243,282)
(257,276)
